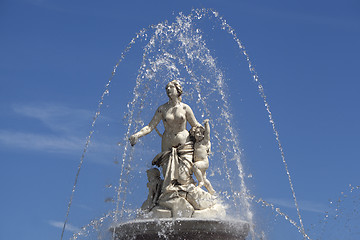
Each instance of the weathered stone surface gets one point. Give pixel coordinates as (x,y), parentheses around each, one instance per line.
(185,228)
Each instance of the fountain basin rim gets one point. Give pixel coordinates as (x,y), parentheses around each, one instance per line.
(182,228)
(228,220)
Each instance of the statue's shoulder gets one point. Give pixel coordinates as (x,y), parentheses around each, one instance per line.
(161,108)
(185,106)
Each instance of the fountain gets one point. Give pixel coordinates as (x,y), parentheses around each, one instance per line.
(217,204)
(175,201)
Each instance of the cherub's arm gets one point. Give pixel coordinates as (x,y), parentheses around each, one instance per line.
(147,129)
(207,130)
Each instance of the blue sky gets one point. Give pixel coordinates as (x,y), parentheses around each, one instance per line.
(56,58)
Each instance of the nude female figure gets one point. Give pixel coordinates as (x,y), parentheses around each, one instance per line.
(174,115)
(177,154)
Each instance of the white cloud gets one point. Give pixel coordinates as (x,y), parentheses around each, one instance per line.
(68,227)
(303,205)
(66,125)
(100,152)
(56,117)
(32,141)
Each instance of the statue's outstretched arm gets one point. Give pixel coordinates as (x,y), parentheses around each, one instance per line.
(147,129)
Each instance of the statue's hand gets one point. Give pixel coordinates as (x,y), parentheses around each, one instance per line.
(206,121)
(133,139)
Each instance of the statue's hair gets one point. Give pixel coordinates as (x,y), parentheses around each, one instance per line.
(178,87)
(193,130)
(153,172)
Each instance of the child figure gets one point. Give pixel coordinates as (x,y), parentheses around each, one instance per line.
(154,185)
(202,148)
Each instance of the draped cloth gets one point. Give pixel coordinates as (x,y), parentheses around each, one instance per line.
(176,165)
(178,192)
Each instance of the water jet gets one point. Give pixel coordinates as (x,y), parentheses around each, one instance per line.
(181,202)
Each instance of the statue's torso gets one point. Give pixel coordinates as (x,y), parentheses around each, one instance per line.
(174,119)
(201,152)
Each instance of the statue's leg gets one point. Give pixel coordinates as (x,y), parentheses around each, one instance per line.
(198,175)
(208,186)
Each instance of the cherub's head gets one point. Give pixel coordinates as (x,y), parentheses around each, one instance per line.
(198,133)
(152,174)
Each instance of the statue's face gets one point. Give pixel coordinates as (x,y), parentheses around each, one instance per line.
(171,90)
(199,134)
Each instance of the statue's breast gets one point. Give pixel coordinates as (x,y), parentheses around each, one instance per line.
(175,116)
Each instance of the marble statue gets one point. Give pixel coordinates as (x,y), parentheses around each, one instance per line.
(154,185)
(182,153)
(202,148)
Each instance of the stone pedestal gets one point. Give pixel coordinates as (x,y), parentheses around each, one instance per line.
(183,228)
